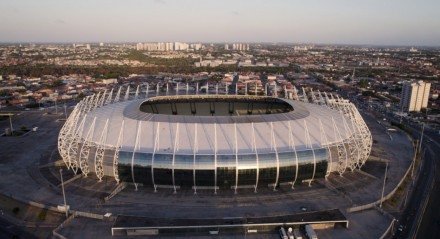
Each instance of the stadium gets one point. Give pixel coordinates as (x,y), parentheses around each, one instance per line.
(213,141)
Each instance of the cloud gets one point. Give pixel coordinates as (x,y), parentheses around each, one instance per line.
(59,21)
(236,13)
(160,1)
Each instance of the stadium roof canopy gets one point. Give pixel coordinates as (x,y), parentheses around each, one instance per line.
(306,125)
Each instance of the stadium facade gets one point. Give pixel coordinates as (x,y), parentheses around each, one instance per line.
(213,141)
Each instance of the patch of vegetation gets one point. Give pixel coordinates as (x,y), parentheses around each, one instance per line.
(16,210)
(32,105)
(42,215)
(363,83)
(368,93)
(57,83)
(402,127)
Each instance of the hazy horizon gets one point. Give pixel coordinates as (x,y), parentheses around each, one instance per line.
(341,22)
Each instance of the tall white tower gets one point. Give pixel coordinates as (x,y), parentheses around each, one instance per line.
(414,96)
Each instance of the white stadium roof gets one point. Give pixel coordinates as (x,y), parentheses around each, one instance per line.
(216,132)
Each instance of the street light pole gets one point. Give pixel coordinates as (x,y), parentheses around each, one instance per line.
(421,137)
(10,123)
(414,160)
(383,187)
(65,111)
(64,194)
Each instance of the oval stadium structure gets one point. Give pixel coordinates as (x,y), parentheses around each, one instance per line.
(212,141)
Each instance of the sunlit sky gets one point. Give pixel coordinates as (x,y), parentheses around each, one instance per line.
(378,22)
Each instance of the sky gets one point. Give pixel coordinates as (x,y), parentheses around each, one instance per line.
(370,22)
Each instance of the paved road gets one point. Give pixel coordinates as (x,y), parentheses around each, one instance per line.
(421,217)
(9,230)
(429,226)
(430,223)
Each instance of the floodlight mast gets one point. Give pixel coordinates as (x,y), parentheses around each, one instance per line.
(64,193)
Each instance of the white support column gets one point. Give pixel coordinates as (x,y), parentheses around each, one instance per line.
(168,88)
(295,93)
(147,91)
(101,98)
(313,96)
(257,161)
(346,142)
(195,145)
(100,152)
(109,98)
(66,133)
(96,100)
(227,88)
(339,99)
(177,88)
(117,149)
(85,149)
(76,115)
(135,148)
(236,88)
(102,101)
(157,89)
(207,88)
(285,92)
(313,152)
(187,88)
(352,145)
(321,99)
(216,89)
(342,151)
(156,147)
(197,88)
(118,94)
(73,149)
(357,135)
(327,100)
(324,139)
(92,102)
(305,99)
(366,137)
(265,89)
(136,95)
(88,101)
(236,158)
(176,145)
(127,93)
(296,156)
(276,156)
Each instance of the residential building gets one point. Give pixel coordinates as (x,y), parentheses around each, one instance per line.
(414,96)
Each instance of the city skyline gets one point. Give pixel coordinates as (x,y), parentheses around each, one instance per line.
(317,22)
